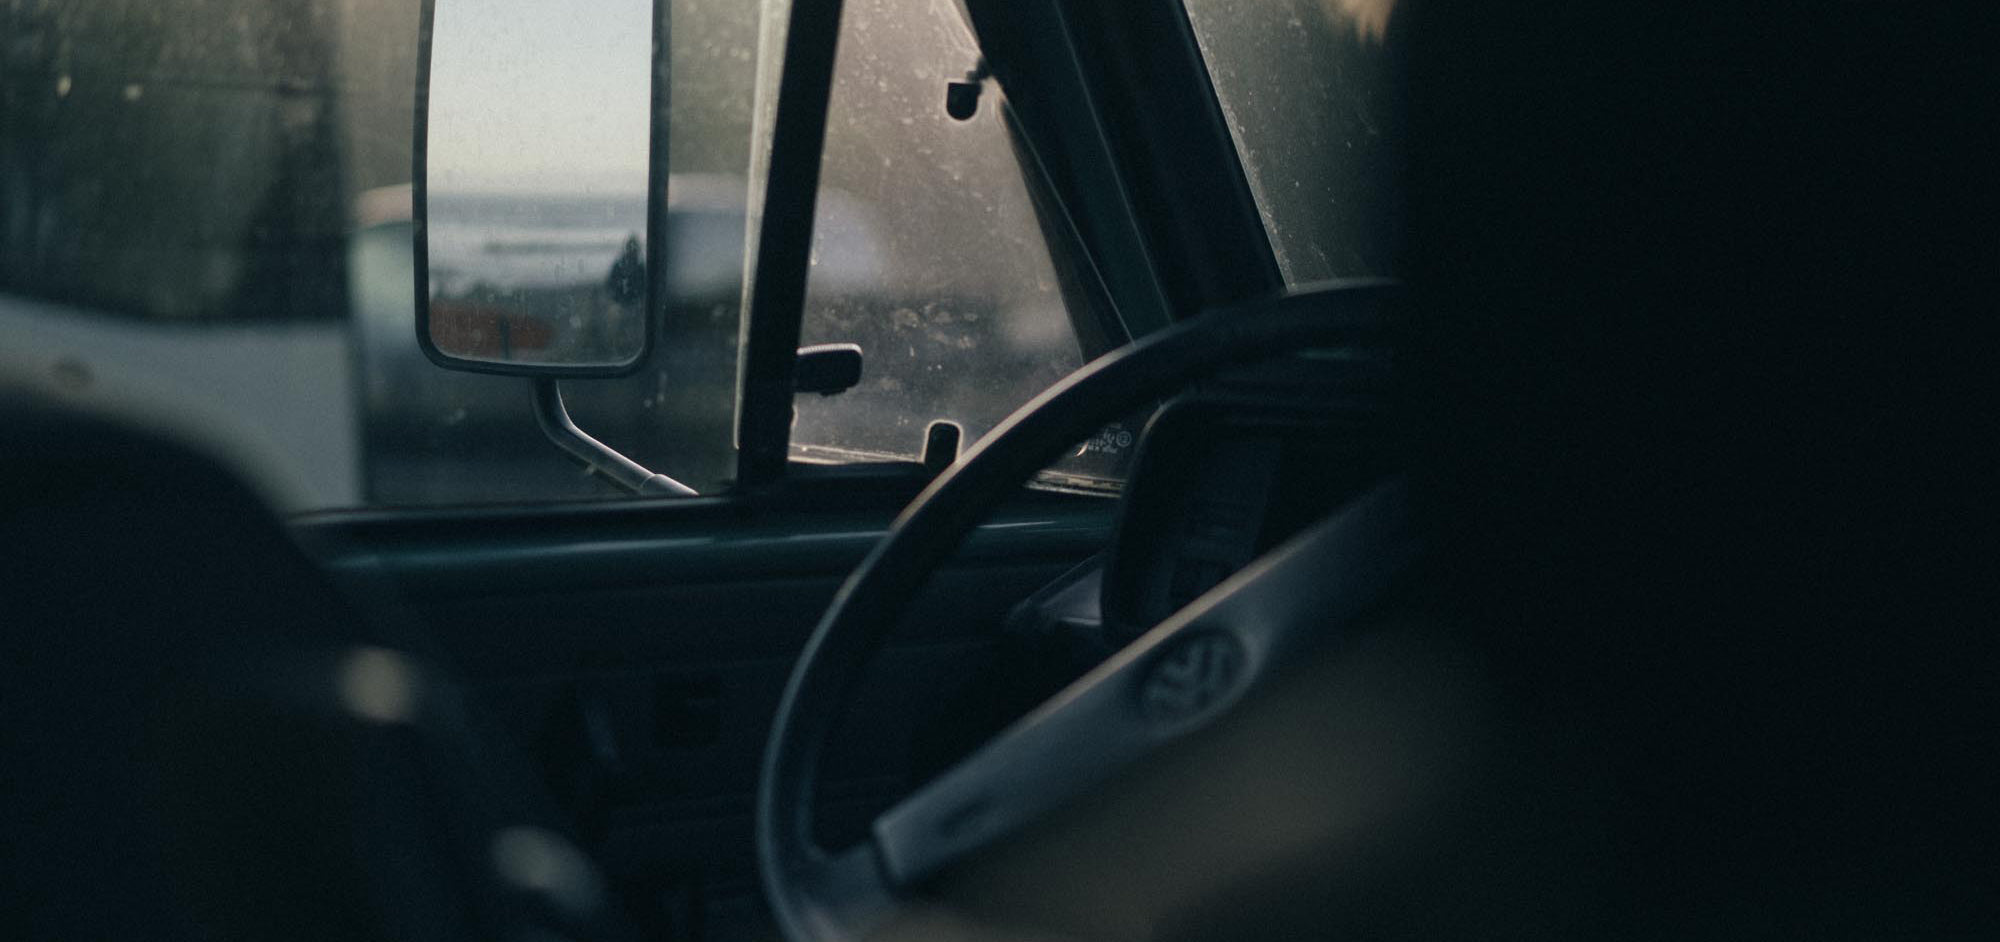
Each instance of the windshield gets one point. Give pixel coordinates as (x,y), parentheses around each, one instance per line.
(1309,89)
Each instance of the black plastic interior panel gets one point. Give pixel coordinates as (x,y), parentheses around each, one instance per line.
(638,658)
(1224,475)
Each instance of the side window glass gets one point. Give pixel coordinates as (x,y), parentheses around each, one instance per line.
(173,219)
(927,249)
(246,278)
(205,224)
(1308,88)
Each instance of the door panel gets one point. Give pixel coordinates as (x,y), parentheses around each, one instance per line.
(638,657)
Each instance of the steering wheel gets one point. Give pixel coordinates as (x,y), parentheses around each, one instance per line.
(1174,679)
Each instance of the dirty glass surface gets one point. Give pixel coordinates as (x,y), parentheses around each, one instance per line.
(206,224)
(1308,89)
(926,247)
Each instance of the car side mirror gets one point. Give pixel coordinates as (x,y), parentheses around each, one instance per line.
(539,215)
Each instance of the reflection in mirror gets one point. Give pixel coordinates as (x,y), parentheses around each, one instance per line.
(537,138)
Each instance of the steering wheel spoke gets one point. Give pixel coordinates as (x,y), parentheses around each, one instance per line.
(1170,682)
(846,894)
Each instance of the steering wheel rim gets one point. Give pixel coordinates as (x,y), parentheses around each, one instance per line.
(817,895)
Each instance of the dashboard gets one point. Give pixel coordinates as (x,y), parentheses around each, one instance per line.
(1223,474)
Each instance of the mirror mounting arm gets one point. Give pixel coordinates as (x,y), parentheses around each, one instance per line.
(599,457)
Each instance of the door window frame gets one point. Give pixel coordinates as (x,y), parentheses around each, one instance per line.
(1149,260)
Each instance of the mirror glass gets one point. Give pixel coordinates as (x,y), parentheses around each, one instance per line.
(537,119)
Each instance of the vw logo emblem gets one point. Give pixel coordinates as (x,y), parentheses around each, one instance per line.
(1192,675)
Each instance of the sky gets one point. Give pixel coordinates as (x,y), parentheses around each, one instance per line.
(540,96)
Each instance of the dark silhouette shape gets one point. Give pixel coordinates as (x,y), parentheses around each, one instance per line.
(627,282)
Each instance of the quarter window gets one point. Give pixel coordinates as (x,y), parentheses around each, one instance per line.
(927,250)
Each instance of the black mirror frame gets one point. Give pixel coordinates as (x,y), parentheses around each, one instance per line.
(656,217)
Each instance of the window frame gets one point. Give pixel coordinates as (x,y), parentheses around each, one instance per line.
(1157,127)
(1149,260)
(1147,263)
(774,298)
